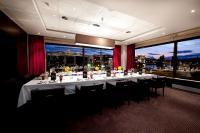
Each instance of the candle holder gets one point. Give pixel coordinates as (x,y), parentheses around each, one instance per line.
(61,78)
(53,75)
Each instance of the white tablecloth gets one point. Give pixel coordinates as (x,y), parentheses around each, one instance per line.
(70,83)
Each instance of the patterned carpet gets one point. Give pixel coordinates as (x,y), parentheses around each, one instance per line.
(176,112)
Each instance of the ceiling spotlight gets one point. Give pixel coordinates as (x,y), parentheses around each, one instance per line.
(96,25)
(128,32)
(192,11)
(64,18)
(46,3)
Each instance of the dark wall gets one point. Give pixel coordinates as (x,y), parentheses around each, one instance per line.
(11,37)
(13,42)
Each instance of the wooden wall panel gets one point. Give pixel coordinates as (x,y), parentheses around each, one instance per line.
(59,40)
(94,40)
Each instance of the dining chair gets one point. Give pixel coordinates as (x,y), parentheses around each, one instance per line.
(48,98)
(90,97)
(157,83)
(117,92)
(124,90)
(144,86)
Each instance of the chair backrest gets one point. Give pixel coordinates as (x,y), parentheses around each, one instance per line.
(145,82)
(39,95)
(134,84)
(125,83)
(91,88)
(160,81)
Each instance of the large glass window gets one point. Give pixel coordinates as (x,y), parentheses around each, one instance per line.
(188,54)
(92,57)
(156,59)
(59,56)
(107,58)
(98,57)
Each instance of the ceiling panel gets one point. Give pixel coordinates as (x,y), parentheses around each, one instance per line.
(145,19)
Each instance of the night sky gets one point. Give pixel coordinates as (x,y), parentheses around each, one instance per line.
(186,49)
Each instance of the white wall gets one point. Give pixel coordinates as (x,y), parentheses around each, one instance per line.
(123,55)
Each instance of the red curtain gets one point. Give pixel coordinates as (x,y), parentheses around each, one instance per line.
(117,56)
(130,57)
(36,55)
(22,56)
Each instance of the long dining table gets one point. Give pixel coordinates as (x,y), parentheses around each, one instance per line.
(71,82)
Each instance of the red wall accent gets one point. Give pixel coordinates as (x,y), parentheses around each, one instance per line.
(117,56)
(130,56)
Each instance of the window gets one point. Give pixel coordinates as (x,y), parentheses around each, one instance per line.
(156,59)
(107,56)
(188,54)
(98,57)
(58,56)
(92,57)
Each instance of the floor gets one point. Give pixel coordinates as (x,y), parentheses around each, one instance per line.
(176,112)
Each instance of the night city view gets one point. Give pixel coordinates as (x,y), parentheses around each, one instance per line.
(60,56)
(159,59)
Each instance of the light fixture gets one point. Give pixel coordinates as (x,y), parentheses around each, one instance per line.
(128,32)
(192,11)
(93,45)
(74,9)
(64,18)
(64,36)
(38,33)
(46,3)
(96,25)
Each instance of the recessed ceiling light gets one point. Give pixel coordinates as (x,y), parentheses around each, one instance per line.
(192,11)
(64,36)
(46,3)
(128,32)
(64,17)
(96,25)
(74,9)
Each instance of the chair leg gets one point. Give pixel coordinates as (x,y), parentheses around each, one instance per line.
(156,91)
(163,90)
(149,93)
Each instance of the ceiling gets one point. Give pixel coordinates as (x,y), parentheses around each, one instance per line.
(145,19)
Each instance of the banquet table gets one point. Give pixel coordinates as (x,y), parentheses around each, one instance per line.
(70,83)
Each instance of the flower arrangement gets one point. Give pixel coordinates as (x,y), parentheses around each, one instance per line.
(67,69)
(120,68)
(97,68)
